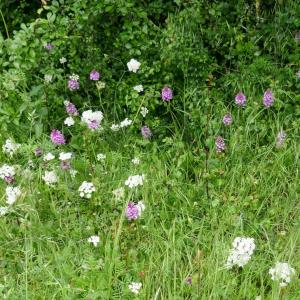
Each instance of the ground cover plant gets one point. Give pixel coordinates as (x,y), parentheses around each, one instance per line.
(150,149)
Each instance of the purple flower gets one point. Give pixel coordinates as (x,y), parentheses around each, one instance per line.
(73,84)
(240,99)
(167,93)
(94,124)
(57,137)
(48,47)
(146,132)
(9,179)
(38,152)
(227,119)
(94,75)
(71,108)
(268,98)
(298,73)
(132,211)
(280,139)
(65,165)
(220,144)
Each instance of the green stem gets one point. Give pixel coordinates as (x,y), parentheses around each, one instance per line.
(4,24)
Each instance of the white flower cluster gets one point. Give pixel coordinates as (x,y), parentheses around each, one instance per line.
(65,156)
(241,252)
(133,65)
(48,78)
(136,161)
(12,194)
(282,272)
(73,173)
(86,189)
(49,156)
(69,121)
(50,177)
(101,156)
(135,180)
(3,210)
(94,239)
(62,60)
(119,193)
(125,123)
(139,88)
(10,147)
(144,111)
(135,287)
(74,77)
(89,117)
(7,171)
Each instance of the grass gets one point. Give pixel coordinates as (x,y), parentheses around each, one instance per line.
(253,191)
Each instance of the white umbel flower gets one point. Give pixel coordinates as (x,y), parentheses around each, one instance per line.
(69,121)
(135,287)
(133,65)
(139,88)
(136,161)
(10,147)
(86,189)
(63,60)
(12,194)
(144,111)
(3,210)
(94,239)
(135,180)
(7,171)
(50,177)
(115,127)
(282,272)
(125,123)
(48,78)
(49,156)
(241,252)
(92,119)
(101,156)
(65,156)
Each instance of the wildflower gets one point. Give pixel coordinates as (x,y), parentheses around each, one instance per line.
(7,173)
(94,239)
(139,88)
(3,210)
(133,65)
(38,152)
(73,173)
(268,98)
(49,156)
(298,74)
(119,193)
(240,99)
(282,272)
(57,137)
(86,189)
(48,78)
(227,119)
(48,46)
(125,123)
(146,132)
(167,93)
(50,177)
(65,160)
(12,194)
(132,211)
(135,287)
(100,85)
(94,75)
(65,156)
(69,121)
(92,119)
(136,161)
(280,139)
(297,36)
(73,83)
(10,147)
(135,180)
(101,156)
(220,144)
(144,111)
(71,108)
(241,252)
(115,127)
(63,60)
(188,281)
